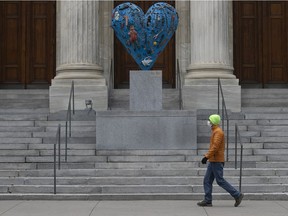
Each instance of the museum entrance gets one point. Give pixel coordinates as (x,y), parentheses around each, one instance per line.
(27,41)
(260,43)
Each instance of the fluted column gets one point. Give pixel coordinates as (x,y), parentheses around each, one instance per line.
(211,50)
(77,40)
(211,38)
(78,57)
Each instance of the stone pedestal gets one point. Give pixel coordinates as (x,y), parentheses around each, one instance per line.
(84,89)
(145,90)
(203,94)
(139,130)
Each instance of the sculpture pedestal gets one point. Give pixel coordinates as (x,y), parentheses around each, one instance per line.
(145,90)
(151,130)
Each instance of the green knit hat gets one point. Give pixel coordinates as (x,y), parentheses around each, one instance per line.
(215,119)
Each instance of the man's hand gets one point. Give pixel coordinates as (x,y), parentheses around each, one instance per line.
(204,160)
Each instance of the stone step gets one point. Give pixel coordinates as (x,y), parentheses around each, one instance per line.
(52,134)
(282,157)
(17,166)
(26,104)
(63,123)
(263,102)
(273,122)
(71,158)
(70,146)
(146,196)
(20,92)
(21,129)
(274,134)
(20,140)
(17,124)
(72,140)
(264,109)
(17,152)
(12,159)
(276,165)
(24,110)
(271,128)
(23,117)
(270,152)
(248,172)
(165,165)
(267,116)
(138,165)
(16,134)
(73,128)
(127,181)
(136,189)
(282,146)
(271,139)
(13,146)
(78,152)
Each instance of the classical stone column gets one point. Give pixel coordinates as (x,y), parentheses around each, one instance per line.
(211,57)
(78,58)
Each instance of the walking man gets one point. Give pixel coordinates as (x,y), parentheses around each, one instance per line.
(215,155)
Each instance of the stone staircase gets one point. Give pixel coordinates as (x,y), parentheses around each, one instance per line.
(27,135)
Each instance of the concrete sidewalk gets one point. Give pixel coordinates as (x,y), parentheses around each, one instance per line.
(141,208)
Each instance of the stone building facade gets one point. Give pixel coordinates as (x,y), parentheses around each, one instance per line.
(215,39)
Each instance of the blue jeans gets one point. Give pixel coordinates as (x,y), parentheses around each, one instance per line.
(215,171)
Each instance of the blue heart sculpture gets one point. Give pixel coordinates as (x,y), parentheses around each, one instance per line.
(144,36)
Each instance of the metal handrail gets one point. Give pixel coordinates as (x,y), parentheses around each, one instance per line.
(224,115)
(58,141)
(237,135)
(68,118)
(110,84)
(179,85)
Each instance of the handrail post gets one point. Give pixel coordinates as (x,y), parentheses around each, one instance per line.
(59,146)
(54,168)
(227,156)
(68,117)
(241,161)
(218,95)
(66,141)
(236,140)
(73,97)
(179,84)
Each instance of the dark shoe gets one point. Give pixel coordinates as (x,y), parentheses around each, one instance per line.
(203,203)
(238,200)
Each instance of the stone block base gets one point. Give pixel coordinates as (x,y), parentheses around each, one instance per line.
(140,130)
(84,89)
(203,94)
(145,90)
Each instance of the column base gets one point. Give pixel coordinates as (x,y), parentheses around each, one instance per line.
(84,89)
(203,94)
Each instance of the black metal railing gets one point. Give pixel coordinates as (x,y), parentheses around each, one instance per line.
(58,141)
(68,118)
(179,85)
(110,85)
(238,136)
(224,116)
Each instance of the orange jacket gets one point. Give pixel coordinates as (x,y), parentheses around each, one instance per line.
(217,145)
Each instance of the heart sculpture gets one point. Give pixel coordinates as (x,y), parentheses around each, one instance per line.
(144,36)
